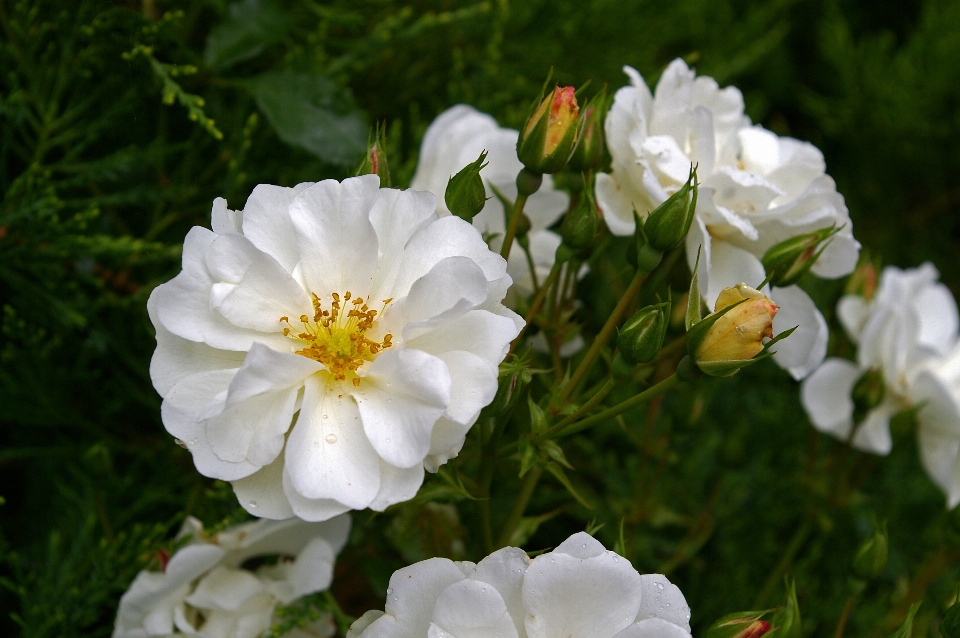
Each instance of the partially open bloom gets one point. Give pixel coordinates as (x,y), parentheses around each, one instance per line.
(551,134)
(738,334)
(456,138)
(204,588)
(326,344)
(579,590)
(910,322)
(756,190)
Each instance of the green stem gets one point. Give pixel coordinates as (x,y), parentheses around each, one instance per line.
(597,397)
(560,430)
(842,625)
(519,506)
(537,302)
(604,334)
(533,268)
(515,215)
(799,538)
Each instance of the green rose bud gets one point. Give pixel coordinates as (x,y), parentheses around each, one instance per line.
(642,336)
(868,392)
(551,133)
(871,557)
(465,194)
(667,226)
(792,258)
(590,150)
(580,225)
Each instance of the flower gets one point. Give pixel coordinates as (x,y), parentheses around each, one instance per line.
(756,190)
(329,342)
(551,133)
(456,138)
(937,390)
(579,590)
(910,322)
(204,588)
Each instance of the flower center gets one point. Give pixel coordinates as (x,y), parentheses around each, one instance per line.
(336,337)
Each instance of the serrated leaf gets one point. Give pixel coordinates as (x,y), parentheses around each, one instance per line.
(312,112)
(250,27)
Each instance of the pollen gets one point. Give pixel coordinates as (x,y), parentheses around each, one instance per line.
(337,337)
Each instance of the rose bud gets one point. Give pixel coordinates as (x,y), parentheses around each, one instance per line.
(792,258)
(744,624)
(667,226)
(551,134)
(465,195)
(590,150)
(375,161)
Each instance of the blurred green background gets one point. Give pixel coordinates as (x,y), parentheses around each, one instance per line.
(121,121)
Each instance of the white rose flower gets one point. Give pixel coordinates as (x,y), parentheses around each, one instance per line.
(579,590)
(204,589)
(756,189)
(456,138)
(910,322)
(937,389)
(326,344)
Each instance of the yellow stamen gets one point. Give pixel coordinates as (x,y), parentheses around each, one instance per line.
(337,339)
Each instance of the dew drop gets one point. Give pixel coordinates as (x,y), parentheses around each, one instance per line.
(331,438)
(192,442)
(659,585)
(389,590)
(660,608)
(253,504)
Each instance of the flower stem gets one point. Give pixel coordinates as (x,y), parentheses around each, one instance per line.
(842,625)
(563,429)
(520,505)
(528,183)
(604,334)
(537,302)
(789,554)
(598,396)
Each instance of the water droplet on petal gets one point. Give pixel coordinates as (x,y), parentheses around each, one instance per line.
(253,504)
(331,438)
(389,590)
(659,585)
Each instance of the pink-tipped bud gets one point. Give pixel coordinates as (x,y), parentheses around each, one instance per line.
(745,624)
(551,134)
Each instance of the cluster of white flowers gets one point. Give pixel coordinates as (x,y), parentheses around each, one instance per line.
(907,356)
(204,589)
(329,342)
(757,189)
(579,590)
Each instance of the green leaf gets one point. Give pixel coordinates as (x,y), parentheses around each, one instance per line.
(538,419)
(250,27)
(694,302)
(561,476)
(555,452)
(312,112)
(528,455)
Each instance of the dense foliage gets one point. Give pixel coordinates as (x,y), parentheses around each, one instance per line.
(120,122)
